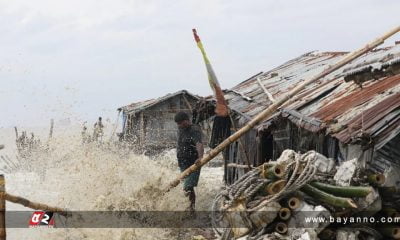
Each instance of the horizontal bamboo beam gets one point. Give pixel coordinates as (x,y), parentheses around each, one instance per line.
(278,103)
(235,165)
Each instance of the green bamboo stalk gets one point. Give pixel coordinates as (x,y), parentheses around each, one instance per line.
(388,191)
(376,179)
(274,172)
(350,191)
(328,198)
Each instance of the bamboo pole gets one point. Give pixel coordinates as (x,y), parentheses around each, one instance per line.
(281,227)
(376,179)
(273,172)
(328,198)
(275,187)
(350,191)
(2,208)
(272,108)
(240,143)
(284,213)
(235,165)
(34,205)
(269,95)
(294,203)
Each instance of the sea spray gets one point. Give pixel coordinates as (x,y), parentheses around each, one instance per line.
(101,176)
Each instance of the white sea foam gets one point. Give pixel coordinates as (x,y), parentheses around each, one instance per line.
(68,174)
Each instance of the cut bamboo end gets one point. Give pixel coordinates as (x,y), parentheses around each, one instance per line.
(284,213)
(281,227)
(352,204)
(279,171)
(273,172)
(396,233)
(377,179)
(276,187)
(294,203)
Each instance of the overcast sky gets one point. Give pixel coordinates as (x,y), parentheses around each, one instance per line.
(81,59)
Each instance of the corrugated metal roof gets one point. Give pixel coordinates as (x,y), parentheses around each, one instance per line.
(346,110)
(140,106)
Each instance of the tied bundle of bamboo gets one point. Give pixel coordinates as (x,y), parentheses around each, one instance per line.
(294,189)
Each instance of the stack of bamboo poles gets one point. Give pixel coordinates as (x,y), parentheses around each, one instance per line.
(4,196)
(337,201)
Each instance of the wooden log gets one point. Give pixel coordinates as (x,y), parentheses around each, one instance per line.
(284,213)
(274,107)
(328,198)
(2,208)
(34,205)
(349,191)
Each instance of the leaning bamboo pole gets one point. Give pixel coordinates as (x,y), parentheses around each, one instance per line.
(272,108)
(2,208)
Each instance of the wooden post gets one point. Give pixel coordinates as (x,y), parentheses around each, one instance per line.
(278,103)
(2,208)
(141,130)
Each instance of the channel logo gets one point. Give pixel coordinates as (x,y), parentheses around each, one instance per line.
(42,219)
